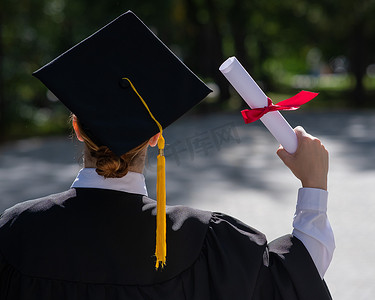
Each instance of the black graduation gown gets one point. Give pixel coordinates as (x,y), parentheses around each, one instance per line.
(98,244)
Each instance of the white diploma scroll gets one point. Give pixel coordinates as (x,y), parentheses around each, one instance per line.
(255,98)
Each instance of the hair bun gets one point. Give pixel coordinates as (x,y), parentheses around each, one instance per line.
(108,164)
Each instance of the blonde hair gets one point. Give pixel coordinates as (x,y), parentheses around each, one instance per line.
(108,164)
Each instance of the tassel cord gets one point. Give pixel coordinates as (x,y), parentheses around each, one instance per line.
(161,228)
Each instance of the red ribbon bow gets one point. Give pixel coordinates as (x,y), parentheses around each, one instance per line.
(293,103)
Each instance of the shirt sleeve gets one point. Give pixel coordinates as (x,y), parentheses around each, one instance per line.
(311,226)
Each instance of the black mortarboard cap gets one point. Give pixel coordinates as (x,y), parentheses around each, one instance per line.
(88,79)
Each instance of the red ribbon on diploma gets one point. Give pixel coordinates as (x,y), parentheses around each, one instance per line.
(293,103)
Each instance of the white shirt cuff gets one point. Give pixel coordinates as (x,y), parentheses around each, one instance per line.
(311,226)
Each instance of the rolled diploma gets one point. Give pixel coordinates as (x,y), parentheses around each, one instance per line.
(248,89)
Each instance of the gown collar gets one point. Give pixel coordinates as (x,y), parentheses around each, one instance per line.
(132,182)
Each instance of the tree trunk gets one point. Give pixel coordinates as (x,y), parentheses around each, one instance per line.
(207,52)
(2,99)
(358,64)
(193,33)
(238,20)
(216,50)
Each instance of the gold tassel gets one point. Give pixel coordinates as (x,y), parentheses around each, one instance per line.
(161,244)
(161,227)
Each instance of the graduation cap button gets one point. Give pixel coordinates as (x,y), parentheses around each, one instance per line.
(124,83)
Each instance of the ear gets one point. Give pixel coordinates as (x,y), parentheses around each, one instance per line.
(76,128)
(154,140)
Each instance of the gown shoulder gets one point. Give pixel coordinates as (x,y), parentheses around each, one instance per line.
(98,244)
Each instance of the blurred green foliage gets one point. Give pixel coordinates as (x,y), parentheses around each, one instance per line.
(324,45)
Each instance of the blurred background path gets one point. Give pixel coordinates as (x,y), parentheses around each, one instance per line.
(217,163)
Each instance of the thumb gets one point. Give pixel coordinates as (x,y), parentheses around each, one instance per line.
(284,155)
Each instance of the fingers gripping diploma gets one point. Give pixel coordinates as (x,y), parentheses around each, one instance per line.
(310,162)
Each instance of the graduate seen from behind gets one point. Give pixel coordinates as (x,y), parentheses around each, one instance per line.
(105,239)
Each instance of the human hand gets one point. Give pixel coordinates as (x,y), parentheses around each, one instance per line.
(310,162)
